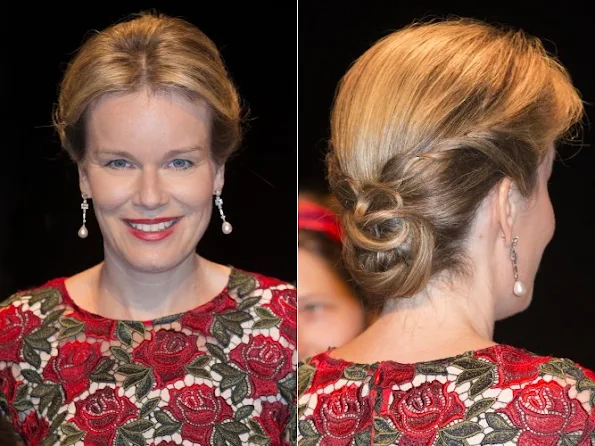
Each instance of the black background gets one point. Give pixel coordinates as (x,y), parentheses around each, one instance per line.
(39,196)
(332,34)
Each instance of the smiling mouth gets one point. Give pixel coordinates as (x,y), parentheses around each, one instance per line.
(154,227)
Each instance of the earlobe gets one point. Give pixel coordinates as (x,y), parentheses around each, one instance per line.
(506,208)
(219,178)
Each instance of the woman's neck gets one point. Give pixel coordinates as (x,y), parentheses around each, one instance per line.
(440,322)
(118,292)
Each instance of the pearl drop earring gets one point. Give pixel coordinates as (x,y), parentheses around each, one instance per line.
(83,232)
(518,288)
(226,227)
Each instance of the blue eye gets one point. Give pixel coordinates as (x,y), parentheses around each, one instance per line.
(119,164)
(181,164)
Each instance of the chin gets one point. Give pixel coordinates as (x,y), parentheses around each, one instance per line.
(155,264)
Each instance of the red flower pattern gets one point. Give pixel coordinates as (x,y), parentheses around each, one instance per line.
(167,353)
(266,362)
(100,414)
(198,409)
(284,305)
(426,403)
(75,361)
(15,324)
(544,411)
(106,382)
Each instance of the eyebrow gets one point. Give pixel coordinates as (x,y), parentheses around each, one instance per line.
(125,154)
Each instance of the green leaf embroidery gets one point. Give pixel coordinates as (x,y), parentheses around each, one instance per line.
(255,427)
(39,344)
(235,426)
(144,386)
(42,294)
(431,368)
(217,352)
(259,439)
(198,372)
(51,318)
(50,302)
(131,369)
(479,407)
(484,382)
(231,381)
(470,375)
(236,316)
(230,326)
(240,392)
(70,327)
(244,283)
(31,356)
(22,405)
(149,407)
(248,302)
(307,429)
(167,429)
(135,326)
(287,387)
(499,437)
(301,410)
(355,372)
(138,426)
(363,438)
(445,440)
(226,370)
(220,333)
(124,333)
(496,422)
(102,378)
(31,376)
(104,366)
(136,438)
(43,332)
(464,429)
(120,354)
(120,440)
(469,363)
(305,377)
(69,429)
(71,439)
(50,440)
(243,412)
(585,384)
(58,421)
(163,418)
(167,319)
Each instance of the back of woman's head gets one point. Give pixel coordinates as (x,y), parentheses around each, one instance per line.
(424,125)
(155,52)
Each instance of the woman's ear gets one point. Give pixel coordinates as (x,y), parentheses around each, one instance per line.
(84,180)
(507,201)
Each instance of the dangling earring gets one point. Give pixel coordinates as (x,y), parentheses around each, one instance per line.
(518,288)
(83,232)
(226,227)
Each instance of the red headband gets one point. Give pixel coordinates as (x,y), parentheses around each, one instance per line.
(314,217)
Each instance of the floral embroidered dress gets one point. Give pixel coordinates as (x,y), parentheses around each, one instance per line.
(221,374)
(499,395)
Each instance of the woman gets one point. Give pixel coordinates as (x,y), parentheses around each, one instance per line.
(330,309)
(155,345)
(442,143)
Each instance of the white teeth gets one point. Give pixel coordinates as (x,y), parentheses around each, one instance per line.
(153,228)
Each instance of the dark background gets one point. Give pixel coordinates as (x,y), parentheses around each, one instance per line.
(39,195)
(332,35)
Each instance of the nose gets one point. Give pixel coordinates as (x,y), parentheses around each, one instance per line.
(150,193)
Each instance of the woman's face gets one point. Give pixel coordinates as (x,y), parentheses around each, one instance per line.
(150,174)
(329,315)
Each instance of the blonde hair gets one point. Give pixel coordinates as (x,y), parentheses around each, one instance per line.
(155,52)
(424,125)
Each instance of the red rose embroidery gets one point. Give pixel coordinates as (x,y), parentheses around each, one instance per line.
(167,353)
(75,361)
(544,412)
(422,411)
(15,324)
(341,415)
(327,370)
(266,282)
(266,362)
(273,418)
(7,384)
(165,443)
(97,326)
(198,408)
(201,320)
(514,366)
(393,373)
(284,305)
(34,429)
(100,414)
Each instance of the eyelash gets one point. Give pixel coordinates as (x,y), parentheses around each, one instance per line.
(188,164)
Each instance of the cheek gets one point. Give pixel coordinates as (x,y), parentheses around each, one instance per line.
(109,193)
